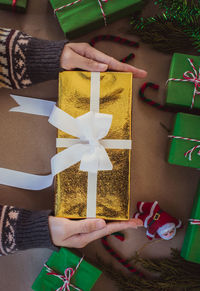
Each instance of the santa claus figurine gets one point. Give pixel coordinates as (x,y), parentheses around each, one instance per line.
(159,223)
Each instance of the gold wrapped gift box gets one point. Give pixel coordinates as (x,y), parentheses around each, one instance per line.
(113,187)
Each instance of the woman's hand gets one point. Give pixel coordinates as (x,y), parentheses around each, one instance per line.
(85,57)
(78,233)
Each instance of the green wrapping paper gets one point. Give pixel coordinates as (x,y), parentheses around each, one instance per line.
(186,126)
(181,93)
(84,278)
(86,15)
(191,245)
(21,5)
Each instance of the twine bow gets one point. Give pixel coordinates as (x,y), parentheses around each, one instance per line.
(77,1)
(66,278)
(194,221)
(189,153)
(192,77)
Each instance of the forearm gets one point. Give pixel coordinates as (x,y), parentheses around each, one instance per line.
(23,229)
(25,60)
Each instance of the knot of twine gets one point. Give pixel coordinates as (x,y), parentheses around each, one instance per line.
(192,77)
(66,278)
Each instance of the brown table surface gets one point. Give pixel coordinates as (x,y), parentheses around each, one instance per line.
(28,142)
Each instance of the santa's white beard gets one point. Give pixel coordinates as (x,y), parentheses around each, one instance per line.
(167,228)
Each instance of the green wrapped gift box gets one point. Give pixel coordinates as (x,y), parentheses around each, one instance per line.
(84,277)
(191,245)
(180,93)
(16,5)
(185,141)
(86,15)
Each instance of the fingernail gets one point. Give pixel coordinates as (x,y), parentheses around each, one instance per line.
(139,223)
(103,67)
(143,72)
(100,223)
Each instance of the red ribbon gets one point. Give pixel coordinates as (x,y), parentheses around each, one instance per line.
(77,1)
(192,77)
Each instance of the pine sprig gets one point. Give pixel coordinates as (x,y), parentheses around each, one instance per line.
(172,274)
(178,4)
(177,28)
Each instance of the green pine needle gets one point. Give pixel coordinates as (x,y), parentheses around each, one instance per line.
(166,274)
(177,28)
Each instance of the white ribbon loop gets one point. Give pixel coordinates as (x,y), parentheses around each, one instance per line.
(68,158)
(63,121)
(90,128)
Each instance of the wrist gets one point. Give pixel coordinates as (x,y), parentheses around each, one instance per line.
(43,59)
(51,226)
(32,230)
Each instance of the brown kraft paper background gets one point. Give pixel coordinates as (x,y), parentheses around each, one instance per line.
(28,142)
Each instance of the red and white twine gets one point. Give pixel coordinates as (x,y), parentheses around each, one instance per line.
(192,77)
(194,221)
(66,278)
(77,1)
(191,151)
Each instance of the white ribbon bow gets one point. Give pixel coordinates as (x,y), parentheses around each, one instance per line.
(90,128)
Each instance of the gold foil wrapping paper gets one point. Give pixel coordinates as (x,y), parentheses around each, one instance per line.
(113,187)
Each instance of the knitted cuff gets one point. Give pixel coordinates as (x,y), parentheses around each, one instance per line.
(43,59)
(32,230)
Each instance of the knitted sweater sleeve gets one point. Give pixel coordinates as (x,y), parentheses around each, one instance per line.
(25,60)
(22,229)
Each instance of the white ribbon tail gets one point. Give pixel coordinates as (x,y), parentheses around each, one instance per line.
(24,180)
(91,197)
(32,105)
(59,163)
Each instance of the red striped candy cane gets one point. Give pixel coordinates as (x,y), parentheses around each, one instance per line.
(113,253)
(14,3)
